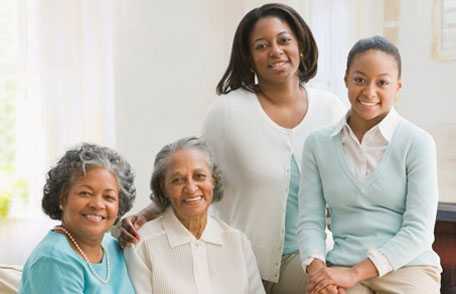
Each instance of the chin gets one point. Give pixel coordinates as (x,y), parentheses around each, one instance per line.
(196,212)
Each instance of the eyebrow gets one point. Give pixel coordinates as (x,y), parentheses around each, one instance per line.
(382,74)
(90,188)
(281,33)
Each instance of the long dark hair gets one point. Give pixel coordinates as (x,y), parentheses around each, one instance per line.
(240,74)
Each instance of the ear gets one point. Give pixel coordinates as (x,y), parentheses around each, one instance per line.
(345,81)
(399,84)
(63,196)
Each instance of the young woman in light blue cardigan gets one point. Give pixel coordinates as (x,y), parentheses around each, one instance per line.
(376,173)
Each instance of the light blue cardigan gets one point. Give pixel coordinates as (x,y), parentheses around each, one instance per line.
(392,210)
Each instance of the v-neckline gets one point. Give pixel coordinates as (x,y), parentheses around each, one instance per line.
(277,126)
(366,181)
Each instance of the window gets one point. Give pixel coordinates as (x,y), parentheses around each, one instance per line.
(444,41)
(13,186)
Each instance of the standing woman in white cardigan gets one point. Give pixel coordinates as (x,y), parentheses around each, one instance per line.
(257,130)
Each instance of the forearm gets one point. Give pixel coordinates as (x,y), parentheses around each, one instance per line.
(364,270)
(150,212)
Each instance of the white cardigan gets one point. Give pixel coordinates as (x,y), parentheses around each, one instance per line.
(254,154)
(170,260)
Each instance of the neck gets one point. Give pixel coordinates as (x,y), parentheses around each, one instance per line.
(195,225)
(283,93)
(361,126)
(91,247)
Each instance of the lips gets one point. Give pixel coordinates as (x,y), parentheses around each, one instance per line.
(192,200)
(93,217)
(367,103)
(277,65)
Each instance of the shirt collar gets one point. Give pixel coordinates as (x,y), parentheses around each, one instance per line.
(387,126)
(179,235)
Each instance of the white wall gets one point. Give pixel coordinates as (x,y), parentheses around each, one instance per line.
(168,62)
(428,97)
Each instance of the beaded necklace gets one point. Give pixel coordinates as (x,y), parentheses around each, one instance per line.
(78,248)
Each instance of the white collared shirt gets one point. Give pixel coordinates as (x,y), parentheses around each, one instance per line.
(169,259)
(363,157)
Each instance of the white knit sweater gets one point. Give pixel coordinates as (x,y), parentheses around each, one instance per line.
(254,154)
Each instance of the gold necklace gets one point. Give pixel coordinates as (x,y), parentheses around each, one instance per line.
(79,249)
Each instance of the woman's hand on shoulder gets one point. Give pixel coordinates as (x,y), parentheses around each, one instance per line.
(129,228)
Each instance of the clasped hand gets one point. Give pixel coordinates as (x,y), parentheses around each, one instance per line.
(330,280)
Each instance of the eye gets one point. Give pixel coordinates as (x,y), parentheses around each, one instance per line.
(383,83)
(176,180)
(84,193)
(359,81)
(285,40)
(110,198)
(260,45)
(201,176)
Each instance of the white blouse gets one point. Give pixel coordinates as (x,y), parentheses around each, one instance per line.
(170,260)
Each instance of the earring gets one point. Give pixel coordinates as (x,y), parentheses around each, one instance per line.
(60,207)
(255,77)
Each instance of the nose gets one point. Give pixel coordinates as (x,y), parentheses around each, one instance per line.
(276,50)
(190,186)
(97,202)
(370,90)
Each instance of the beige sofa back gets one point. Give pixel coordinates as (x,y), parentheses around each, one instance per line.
(10,277)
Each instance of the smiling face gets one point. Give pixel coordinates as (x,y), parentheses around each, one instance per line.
(372,82)
(91,205)
(274,50)
(188,183)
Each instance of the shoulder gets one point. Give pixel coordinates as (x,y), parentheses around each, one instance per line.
(53,253)
(153,229)
(53,246)
(323,134)
(228,232)
(325,98)
(112,245)
(53,268)
(414,136)
(238,94)
(234,98)
(325,107)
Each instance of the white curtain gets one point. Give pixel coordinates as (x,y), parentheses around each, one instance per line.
(67,91)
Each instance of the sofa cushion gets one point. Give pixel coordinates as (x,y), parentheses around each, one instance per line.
(10,278)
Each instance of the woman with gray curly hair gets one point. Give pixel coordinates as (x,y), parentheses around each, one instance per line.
(89,189)
(186,250)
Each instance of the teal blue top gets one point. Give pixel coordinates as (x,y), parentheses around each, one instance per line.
(54,267)
(291,215)
(392,210)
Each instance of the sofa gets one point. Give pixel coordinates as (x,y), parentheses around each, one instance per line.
(10,276)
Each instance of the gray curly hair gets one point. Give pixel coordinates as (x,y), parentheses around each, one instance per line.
(157,182)
(74,163)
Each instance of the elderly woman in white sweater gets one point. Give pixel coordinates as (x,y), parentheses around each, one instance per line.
(185,250)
